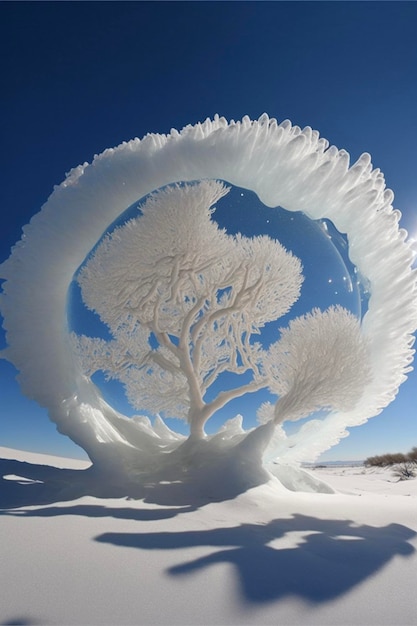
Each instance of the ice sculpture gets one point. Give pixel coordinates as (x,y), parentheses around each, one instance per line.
(185,317)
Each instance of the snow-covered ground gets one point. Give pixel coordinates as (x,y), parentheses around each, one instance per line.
(268,556)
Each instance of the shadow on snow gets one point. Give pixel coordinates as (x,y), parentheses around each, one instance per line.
(329,558)
(326,558)
(29,484)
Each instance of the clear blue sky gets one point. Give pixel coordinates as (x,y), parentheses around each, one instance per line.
(78,77)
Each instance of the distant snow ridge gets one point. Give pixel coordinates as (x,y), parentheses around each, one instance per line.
(285,166)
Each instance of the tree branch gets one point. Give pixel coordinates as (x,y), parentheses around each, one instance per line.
(225,397)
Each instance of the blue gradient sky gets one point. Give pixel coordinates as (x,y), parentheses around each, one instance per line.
(80,77)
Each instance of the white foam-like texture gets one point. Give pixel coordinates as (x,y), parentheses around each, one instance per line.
(285,166)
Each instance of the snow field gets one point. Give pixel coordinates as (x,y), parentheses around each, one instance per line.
(265,557)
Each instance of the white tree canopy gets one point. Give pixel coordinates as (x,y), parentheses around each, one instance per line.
(320,362)
(202,294)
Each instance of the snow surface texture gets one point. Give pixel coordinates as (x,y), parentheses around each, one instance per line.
(267,557)
(285,166)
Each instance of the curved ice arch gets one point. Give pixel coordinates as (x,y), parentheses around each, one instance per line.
(285,166)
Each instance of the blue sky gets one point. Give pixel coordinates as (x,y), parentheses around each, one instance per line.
(80,77)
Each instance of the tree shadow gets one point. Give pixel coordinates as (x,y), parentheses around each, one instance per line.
(324,561)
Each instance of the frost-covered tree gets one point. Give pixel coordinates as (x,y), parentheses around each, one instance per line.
(320,362)
(184,302)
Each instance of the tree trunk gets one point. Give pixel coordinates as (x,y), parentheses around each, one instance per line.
(197,428)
